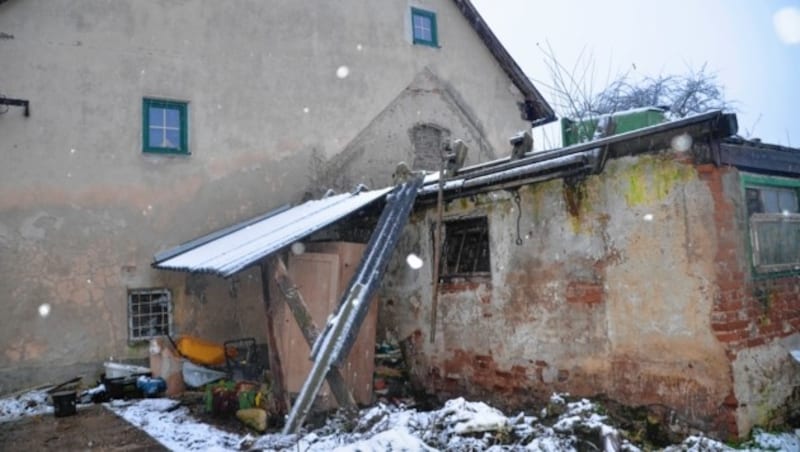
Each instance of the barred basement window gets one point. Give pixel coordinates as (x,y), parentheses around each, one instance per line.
(774,219)
(466,247)
(149,313)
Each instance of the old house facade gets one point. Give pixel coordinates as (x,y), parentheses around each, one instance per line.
(151,123)
(653,277)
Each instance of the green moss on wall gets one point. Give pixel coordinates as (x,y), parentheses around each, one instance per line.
(652,178)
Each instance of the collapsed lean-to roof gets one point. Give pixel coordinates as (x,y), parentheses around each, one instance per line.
(233,249)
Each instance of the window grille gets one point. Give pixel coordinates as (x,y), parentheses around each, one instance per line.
(149,313)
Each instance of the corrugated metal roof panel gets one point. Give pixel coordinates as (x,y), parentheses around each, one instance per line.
(232,252)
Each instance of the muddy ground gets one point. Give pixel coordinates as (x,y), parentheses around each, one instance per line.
(92,428)
(95,428)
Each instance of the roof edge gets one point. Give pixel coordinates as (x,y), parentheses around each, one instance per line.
(545,165)
(202,240)
(535,108)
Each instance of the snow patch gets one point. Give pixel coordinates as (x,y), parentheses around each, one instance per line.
(28,404)
(173,426)
(458,425)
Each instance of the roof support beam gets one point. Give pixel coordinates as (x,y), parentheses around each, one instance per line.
(275,366)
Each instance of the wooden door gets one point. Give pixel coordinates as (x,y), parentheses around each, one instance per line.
(317,278)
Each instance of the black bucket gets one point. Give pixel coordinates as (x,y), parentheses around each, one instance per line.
(64,403)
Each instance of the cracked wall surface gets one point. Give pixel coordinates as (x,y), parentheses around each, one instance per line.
(618,289)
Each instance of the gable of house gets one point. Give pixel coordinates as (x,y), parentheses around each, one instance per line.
(151,124)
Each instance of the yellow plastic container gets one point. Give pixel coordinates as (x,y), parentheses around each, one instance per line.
(201,351)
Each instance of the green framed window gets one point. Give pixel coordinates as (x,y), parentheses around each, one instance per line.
(773,211)
(165,126)
(423,27)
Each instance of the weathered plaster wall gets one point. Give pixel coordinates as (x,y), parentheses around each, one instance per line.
(82,210)
(371,157)
(615,290)
(756,318)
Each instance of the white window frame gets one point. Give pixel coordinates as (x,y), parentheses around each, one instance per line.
(135,329)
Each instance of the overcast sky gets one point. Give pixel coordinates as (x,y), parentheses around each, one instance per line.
(752,46)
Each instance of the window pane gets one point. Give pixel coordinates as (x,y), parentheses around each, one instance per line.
(770,199)
(422,28)
(155,116)
(754,201)
(156,137)
(173,117)
(173,139)
(778,242)
(787,201)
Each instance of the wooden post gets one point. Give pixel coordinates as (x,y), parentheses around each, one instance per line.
(278,388)
(310,332)
(437,251)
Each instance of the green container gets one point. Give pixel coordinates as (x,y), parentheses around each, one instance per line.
(247,399)
(573,132)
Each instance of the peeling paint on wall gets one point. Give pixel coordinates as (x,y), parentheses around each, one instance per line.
(615,290)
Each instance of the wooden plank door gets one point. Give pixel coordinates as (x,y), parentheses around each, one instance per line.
(317,278)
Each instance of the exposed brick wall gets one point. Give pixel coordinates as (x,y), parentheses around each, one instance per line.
(584,292)
(427,140)
(747,312)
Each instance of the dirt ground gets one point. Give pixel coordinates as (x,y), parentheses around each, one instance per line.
(95,428)
(91,428)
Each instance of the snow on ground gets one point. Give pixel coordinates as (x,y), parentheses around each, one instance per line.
(458,425)
(173,426)
(27,404)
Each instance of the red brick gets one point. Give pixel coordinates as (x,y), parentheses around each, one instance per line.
(583,292)
(727,336)
(730,400)
(730,326)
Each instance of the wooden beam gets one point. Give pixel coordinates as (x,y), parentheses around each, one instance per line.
(278,388)
(294,299)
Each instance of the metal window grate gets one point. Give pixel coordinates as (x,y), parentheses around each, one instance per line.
(466,247)
(149,313)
